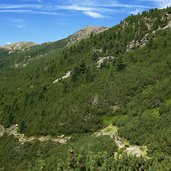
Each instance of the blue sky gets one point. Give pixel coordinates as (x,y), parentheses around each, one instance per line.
(50,20)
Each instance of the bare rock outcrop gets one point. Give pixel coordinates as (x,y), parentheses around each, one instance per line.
(85,33)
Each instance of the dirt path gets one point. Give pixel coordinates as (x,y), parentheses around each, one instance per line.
(14,131)
(112,131)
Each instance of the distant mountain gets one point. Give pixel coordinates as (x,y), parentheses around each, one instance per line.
(85,33)
(18,46)
(47,46)
(44,48)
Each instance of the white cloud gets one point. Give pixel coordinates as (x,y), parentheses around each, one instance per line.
(76,8)
(129,6)
(20,25)
(15,11)
(93,14)
(88,2)
(135,12)
(48,13)
(8,43)
(91,8)
(104,3)
(33,12)
(17,22)
(160,3)
(21,6)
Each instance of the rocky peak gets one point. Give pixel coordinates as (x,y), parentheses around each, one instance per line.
(84,33)
(18,46)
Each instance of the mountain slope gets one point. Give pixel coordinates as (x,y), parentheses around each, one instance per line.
(20,53)
(130,89)
(85,33)
(43,71)
(18,46)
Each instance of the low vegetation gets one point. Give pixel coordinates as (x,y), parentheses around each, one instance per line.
(132,91)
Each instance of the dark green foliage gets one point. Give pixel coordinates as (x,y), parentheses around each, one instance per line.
(94,56)
(119,64)
(23,127)
(134,88)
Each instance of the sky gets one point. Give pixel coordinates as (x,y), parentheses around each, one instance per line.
(50,20)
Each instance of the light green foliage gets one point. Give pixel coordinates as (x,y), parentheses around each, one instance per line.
(168,103)
(154,113)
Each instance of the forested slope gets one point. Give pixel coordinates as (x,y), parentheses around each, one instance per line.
(131,90)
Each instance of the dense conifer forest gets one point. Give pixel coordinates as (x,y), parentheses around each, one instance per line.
(119,79)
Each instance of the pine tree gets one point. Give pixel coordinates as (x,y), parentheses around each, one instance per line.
(23,126)
(119,64)
(94,56)
(82,67)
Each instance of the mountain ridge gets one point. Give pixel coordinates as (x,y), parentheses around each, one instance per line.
(85,33)
(71,39)
(18,46)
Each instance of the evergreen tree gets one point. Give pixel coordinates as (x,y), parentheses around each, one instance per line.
(22,126)
(82,67)
(119,64)
(94,56)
